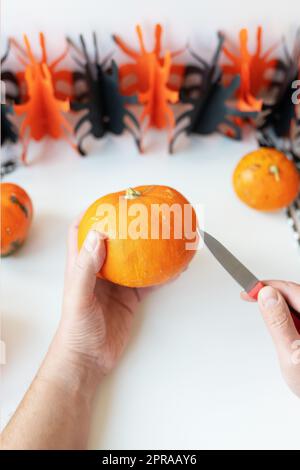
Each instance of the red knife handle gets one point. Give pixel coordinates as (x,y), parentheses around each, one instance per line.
(253,293)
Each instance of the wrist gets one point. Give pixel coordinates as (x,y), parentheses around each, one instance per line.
(70,371)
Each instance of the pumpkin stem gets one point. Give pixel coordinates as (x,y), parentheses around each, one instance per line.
(132,193)
(275,171)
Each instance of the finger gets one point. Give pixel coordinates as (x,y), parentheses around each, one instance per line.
(72,248)
(289,290)
(245,296)
(278,319)
(88,263)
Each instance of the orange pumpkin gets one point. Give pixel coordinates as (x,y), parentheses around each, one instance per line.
(16,216)
(147,242)
(266,180)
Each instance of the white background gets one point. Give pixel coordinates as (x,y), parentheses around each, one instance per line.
(200,371)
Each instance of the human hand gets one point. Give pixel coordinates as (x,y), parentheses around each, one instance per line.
(97,316)
(279,321)
(96,321)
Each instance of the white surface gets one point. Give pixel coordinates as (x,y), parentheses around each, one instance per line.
(200,371)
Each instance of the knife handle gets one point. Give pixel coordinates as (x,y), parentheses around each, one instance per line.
(253,293)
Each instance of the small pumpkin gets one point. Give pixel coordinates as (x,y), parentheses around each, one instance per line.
(266,180)
(138,251)
(16,217)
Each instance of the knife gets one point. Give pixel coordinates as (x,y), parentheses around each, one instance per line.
(239,272)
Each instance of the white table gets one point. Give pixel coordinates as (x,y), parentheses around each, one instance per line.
(200,371)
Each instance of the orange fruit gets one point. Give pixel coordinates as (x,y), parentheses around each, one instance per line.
(266,180)
(138,251)
(16,216)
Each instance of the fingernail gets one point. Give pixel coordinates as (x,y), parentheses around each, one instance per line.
(91,241)
(269,297)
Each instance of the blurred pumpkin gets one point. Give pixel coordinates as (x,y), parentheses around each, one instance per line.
(145,246)
(16,216)
(266,180)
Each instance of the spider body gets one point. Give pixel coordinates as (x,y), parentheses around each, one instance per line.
(42,110)
(279,124)
(210,111)
(103,105)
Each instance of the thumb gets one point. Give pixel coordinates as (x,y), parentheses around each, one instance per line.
(278,319)
(88,263)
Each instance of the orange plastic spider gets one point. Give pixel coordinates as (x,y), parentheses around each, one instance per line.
(158,95)
(252,69)
(152,83)
(59,77)
(42,110)
(141,69)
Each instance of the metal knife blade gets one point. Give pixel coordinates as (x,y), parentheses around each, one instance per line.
(233,266)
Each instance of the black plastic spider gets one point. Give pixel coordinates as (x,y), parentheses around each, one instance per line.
(9,132)
(10,94)
(10,80)
(278,119)
(102,101)
(210,111)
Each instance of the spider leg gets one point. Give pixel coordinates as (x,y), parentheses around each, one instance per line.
(171,121)
(4,57)
(267,138)
(221,39)
(80,142)
(78,62)
(83,119)
(136,138)
(43,47)
(230,55)
(107,59)
(243,114)
(96,47)
(19,48)
(66,137)
(84,48)
(186,114)
(59,59)
(75,47)
(237,130)
(176,53)
(127,50)
(234,84)
(141,40)
(199,59)
(175,137)
(26,141)
(157,46)
(65,124)
(132,118)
